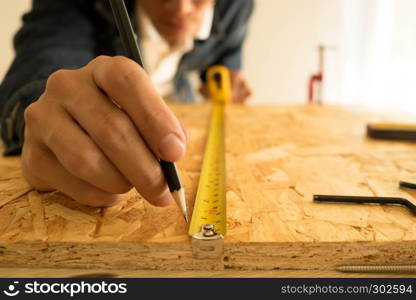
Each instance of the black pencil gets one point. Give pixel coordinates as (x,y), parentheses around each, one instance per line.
(129,41)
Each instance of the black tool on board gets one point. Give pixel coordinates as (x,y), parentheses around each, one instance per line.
(371,199)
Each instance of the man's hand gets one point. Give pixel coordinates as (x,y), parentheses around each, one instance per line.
(241,91)
(98,131)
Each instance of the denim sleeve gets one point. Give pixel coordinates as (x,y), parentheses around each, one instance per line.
(236,33)
(56,34)
(234,24)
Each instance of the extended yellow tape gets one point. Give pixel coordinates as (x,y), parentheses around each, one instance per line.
(210,201)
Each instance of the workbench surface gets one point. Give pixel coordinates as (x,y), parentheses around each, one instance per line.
(277,158)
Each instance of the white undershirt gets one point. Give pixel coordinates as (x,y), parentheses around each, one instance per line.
(161,60)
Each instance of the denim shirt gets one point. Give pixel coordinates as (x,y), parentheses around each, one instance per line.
(67,34)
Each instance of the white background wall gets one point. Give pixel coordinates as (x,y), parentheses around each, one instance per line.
(282,48)
(371,62)
(10,15)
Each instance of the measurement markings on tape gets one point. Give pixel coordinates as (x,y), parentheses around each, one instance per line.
(209,218)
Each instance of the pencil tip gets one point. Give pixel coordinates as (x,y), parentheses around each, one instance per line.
(181,201)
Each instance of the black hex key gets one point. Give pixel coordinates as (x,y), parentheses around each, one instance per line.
(366,200)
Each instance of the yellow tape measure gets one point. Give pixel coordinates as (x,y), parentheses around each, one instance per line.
(209,214)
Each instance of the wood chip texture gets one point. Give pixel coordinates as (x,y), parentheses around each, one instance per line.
(277,158)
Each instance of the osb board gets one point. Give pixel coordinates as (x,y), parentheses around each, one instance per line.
(277,158)
(227,273)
